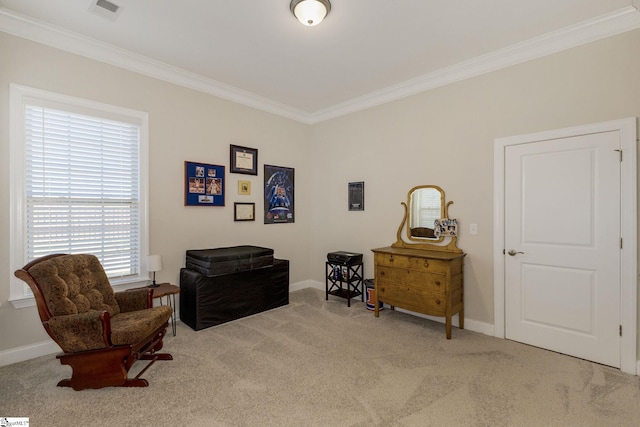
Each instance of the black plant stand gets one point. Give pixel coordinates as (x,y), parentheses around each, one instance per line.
(344,281)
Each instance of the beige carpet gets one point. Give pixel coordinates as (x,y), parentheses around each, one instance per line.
(317,363)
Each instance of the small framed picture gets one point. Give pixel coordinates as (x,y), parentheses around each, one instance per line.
(244,188)
(244,211)
(244,160)
(356,196)
(445,227)
(204,184)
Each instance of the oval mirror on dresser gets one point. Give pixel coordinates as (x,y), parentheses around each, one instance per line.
(424,273)
(425,206)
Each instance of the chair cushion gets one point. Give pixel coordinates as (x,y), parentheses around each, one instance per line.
(134,326)
(74,284)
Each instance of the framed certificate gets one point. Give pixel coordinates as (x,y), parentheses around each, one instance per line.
(244,160)
(244,211)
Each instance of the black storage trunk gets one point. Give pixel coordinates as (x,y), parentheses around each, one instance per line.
(209,301)
(214,262)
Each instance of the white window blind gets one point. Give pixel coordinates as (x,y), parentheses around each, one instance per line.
(82,188)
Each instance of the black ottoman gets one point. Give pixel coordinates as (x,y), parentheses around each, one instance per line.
(209,301)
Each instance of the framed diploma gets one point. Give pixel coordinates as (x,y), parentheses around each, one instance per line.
(244,211)
(244,160)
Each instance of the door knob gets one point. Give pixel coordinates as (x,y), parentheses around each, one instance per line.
(513,252)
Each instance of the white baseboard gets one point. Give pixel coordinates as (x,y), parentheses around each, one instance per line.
(306,284)
(470,324)
(27,352)
(480,327)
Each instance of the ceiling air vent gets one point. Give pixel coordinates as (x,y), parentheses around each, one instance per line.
(111,7)
(105,8)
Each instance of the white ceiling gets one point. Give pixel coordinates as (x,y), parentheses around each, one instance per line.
(364,53)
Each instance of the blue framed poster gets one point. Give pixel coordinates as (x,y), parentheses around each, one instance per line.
(278,195)
(204,184)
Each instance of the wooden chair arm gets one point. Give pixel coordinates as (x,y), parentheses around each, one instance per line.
(82,331)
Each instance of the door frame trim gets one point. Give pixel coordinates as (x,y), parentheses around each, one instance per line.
(628,221)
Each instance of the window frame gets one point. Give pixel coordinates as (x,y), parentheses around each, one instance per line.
(19,293)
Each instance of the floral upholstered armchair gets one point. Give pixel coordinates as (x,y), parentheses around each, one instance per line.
(101,333)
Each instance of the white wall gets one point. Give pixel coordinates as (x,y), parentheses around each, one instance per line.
(443,137)
(184,125)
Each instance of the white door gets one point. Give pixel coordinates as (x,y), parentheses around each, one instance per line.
(562,238)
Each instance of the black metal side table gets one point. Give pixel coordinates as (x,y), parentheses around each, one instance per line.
(344,280)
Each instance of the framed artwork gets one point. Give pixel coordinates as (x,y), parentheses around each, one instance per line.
(204,184)
(356,196)
(279,204)
(244,211)
(244,160)
(244,187)
(445,227)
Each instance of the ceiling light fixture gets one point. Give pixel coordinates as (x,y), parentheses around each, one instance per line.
(310,12)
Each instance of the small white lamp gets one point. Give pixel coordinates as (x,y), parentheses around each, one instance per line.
(154,263)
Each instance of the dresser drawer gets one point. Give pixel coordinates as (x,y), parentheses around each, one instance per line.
(414,278)
(412,298)
(412,263)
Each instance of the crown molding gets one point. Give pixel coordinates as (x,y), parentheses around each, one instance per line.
(40,32)
(622,20)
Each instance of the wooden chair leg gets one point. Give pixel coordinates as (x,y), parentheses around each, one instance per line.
(157,356)
(105,368)
(110,366)
(96,369)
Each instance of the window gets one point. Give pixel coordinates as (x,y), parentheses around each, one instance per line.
(79,183)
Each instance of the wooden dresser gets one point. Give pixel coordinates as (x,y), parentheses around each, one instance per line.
(424,281)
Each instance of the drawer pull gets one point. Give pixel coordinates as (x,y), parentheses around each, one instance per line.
(382,273)
(426,263)
(437,301)
(390,258)
(437,282)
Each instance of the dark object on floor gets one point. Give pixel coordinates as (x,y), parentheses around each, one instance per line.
(209,301)
(101,333)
